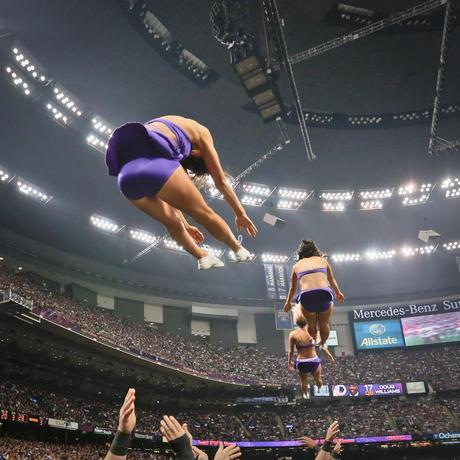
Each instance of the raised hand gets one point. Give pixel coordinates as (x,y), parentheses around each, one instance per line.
(196,234)
(332,431)
(307,442)
(243,221)
(127,418)
(338,447)
(329,355)
(230,452)
(197,453)
(340,297)
(170,428)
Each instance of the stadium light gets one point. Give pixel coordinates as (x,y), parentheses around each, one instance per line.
(105,224)
(371,204)
(252,188)
(346,257)
(422,250)
(5,175)
(19,81)
(100,132)
(375,194)
(452,246)
(169,243)
(379,255)
(232,256)
(451,187)
(143,236)
(414,194)
(334,207)
(57,115)
(218,252)
(67,101)
(252,200)
(23,60)
(268,257)
(336,195)
(292,198)
(32,191)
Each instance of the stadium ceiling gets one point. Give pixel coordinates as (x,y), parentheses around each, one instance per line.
(93,51)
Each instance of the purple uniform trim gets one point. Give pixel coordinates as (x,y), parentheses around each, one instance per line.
(316,300)
(307,365)
(314,270)
(144,159)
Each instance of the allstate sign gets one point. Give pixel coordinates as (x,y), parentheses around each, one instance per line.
(378,334)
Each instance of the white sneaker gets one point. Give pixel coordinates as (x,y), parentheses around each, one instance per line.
(210,261)
(323,346)
(242,255)
(306,395)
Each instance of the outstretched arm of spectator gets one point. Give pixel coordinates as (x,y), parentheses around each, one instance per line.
(126,424)
(197,453)
(177,438)
(332,432)
(337,450)
(231,452)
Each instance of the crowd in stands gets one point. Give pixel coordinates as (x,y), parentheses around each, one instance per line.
(440,366)
(20,449)
(370,418)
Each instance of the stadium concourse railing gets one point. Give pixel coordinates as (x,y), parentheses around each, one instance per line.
(43,313)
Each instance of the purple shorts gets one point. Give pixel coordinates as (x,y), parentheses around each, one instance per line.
(306,366)
(144,159)
(316,300)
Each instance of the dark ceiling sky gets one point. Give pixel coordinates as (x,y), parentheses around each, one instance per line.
(91,49)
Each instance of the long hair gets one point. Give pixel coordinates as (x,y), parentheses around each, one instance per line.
(308,248)
(196,165)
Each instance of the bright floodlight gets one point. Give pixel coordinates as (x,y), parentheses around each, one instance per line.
(268,257)
(103,223)
(371,204)
(231,255)
(23,61)
(378,255)
(334,207)
(169,243)
(376,194)
(292,198)
(257,189)
(336,195)
(252,200)
(67,101)
(101,126)
(218,252)
(32,191)
(451,187)
(211,189)
(409,251)
(100,132)
(452,246)
(143,236)
(346,257)
(57,114)
(5,175)
(19,81)
(415,194)
(97,143)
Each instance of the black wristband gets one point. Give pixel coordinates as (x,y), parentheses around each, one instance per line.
(327,446)
(181,446)
(316,448)
(120,443)
(335,454)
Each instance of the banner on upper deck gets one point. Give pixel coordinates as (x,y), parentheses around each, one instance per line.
(269,271)
(283,320)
